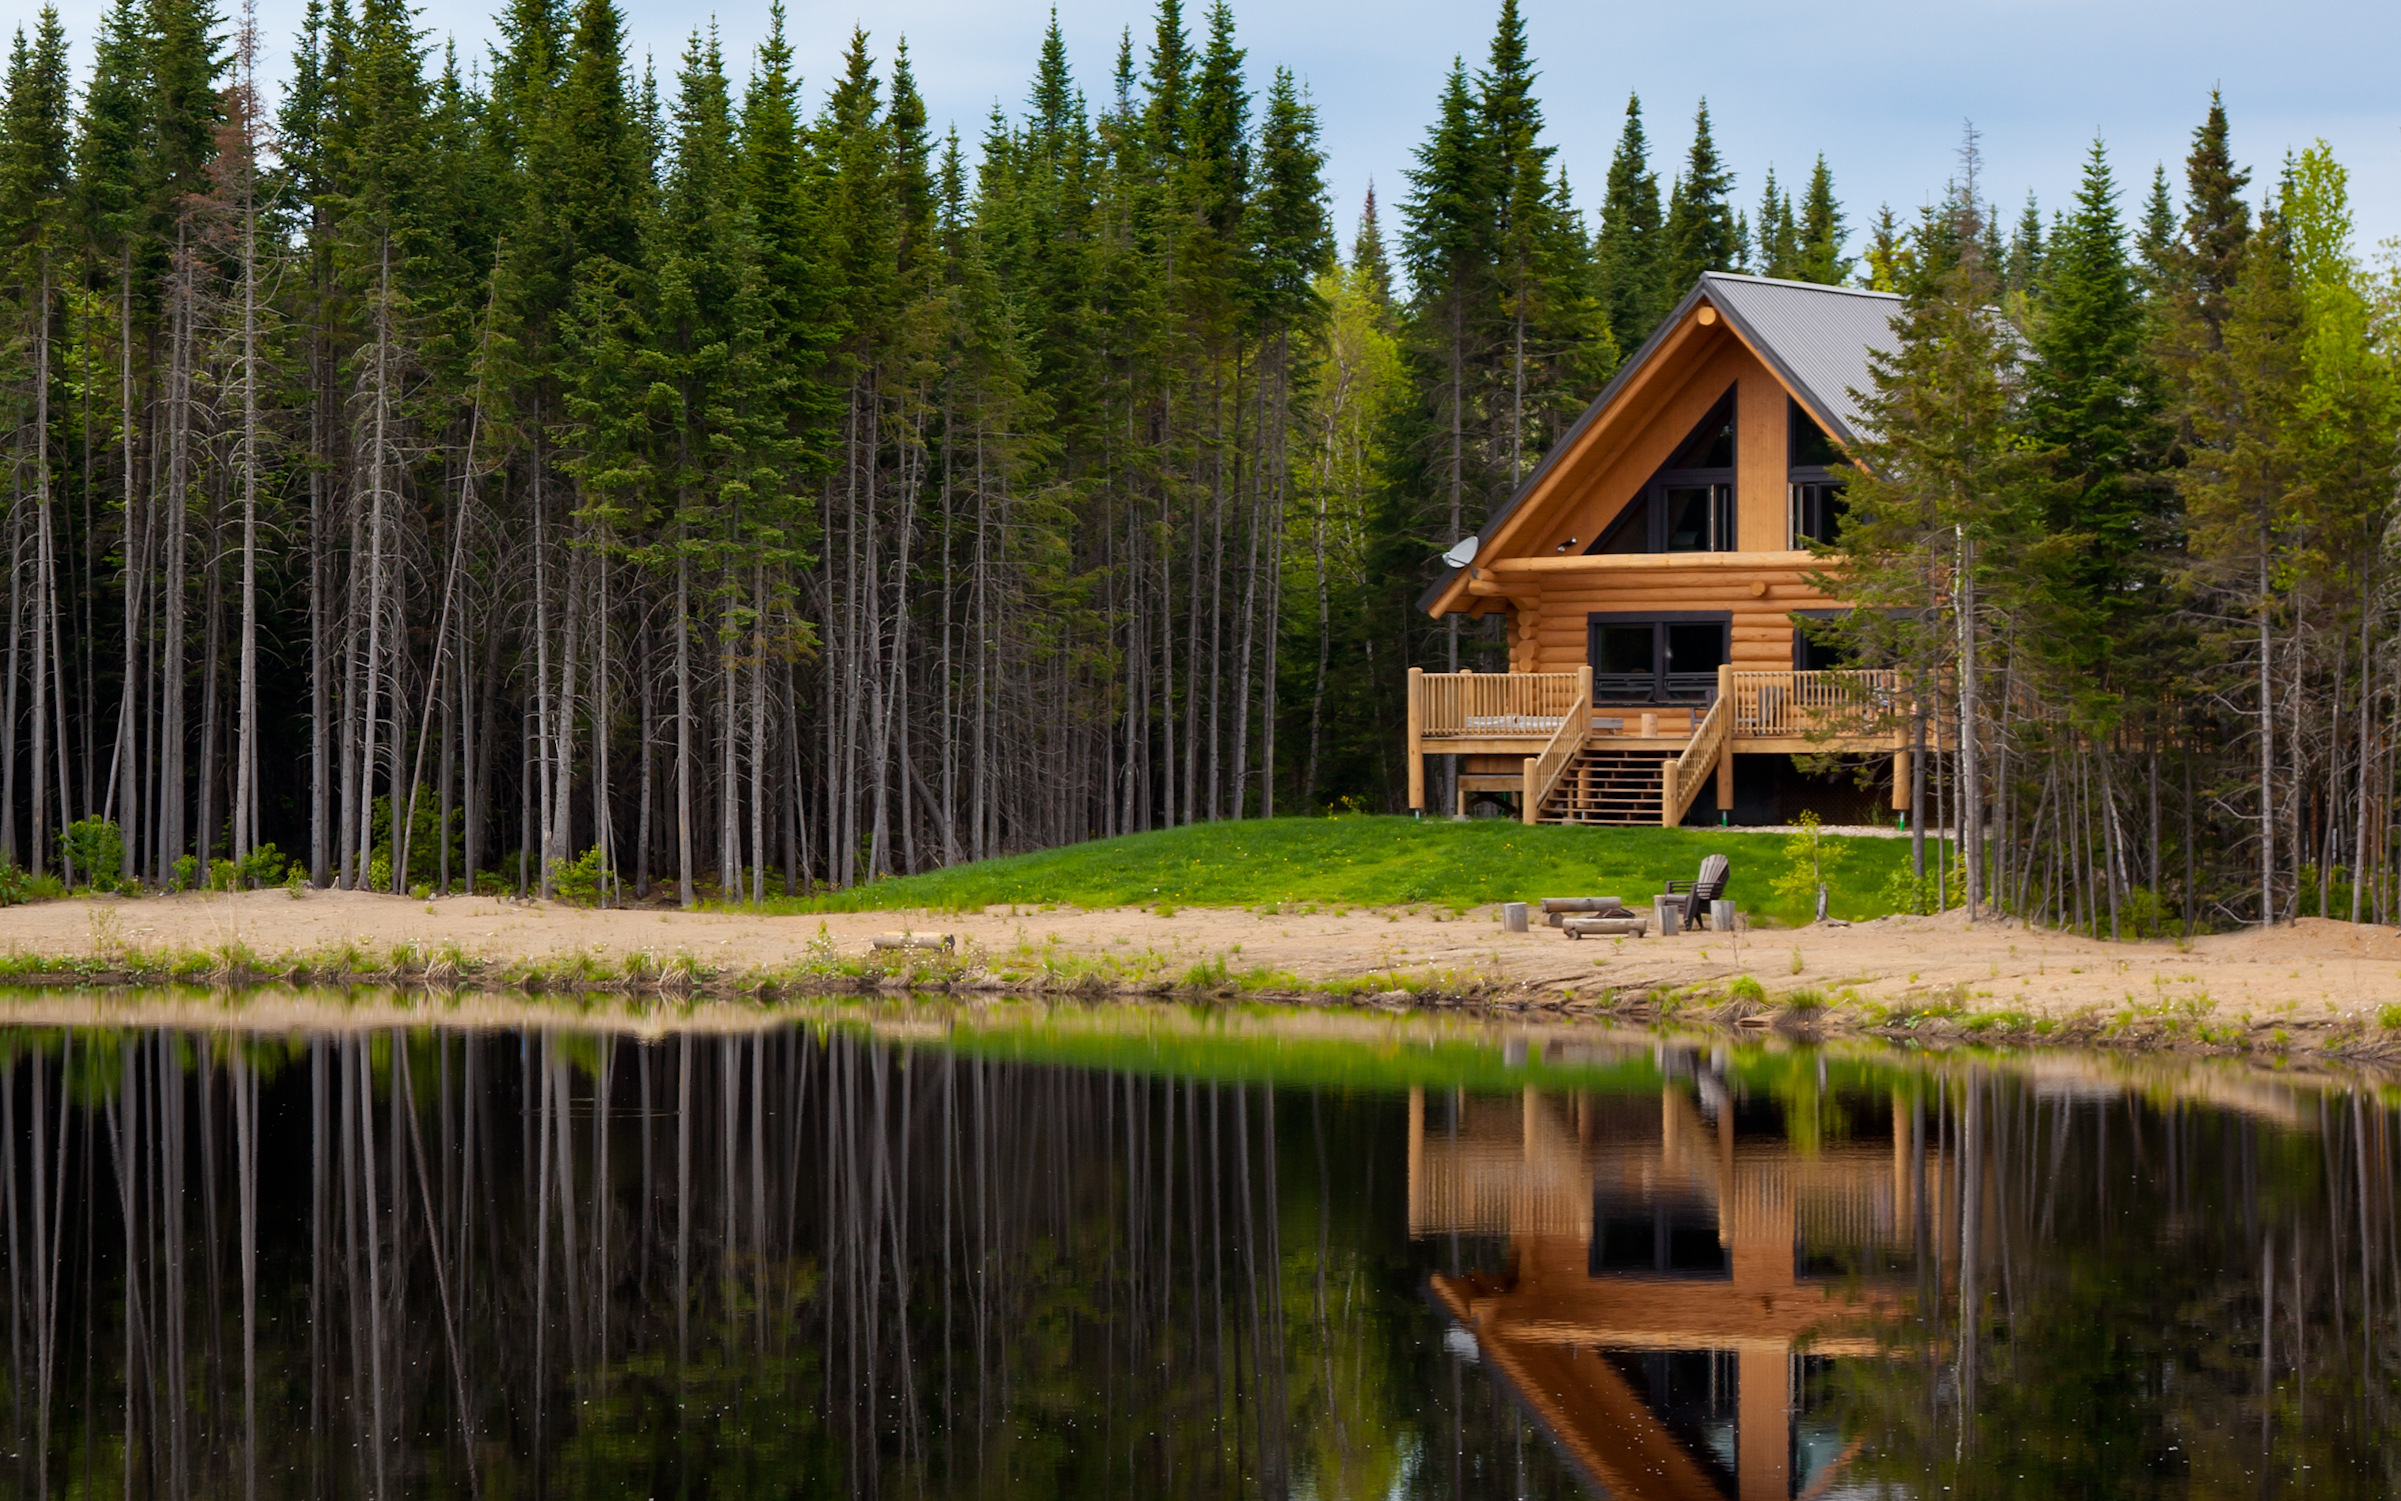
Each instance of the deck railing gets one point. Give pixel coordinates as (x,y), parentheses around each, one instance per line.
(1543,771)
(1486,705)
(1681,778)
(1791,705)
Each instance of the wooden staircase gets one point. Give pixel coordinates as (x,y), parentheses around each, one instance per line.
(1605,786)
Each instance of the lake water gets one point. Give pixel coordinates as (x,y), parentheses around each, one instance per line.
(1017,1251)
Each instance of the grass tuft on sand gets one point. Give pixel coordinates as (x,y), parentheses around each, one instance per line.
(1360,860)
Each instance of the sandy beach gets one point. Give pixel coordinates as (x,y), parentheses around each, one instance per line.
(2313,977)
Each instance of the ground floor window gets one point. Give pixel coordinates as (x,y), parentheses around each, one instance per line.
(1657,659)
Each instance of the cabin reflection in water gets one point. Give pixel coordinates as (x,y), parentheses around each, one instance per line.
(1681,1271)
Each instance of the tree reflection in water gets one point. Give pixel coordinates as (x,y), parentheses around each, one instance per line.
(824,1261)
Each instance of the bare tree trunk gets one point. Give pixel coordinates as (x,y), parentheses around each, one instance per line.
(683,722)
(2267,748)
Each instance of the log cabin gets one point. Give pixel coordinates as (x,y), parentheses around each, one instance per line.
(1653,573)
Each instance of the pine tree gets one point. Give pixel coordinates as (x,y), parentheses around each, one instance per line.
(1700,221)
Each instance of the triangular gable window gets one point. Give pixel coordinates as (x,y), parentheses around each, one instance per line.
(1688,506)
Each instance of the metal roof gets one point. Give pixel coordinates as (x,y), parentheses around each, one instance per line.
(1816,337)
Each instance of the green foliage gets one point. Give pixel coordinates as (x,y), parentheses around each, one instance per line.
(581,881)
(95,849)
(1336,863)
(1813,859)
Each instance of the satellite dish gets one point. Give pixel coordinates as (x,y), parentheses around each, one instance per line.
(1462,553)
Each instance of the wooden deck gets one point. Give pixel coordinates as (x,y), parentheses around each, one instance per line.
(1569,742)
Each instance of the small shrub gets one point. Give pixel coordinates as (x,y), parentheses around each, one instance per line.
(223,875)
(2389,1017)
(1813,861)
(491,883)
(579,881)
(1796,961)
(295,881)
(1746,988)
(94,848)
(1805,1000)
(264,867)
(422,892)
(187,873)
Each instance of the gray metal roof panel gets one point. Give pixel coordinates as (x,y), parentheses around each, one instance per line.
(1819,337)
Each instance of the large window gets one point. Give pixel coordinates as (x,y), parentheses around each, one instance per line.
(1657,659)
(1817,499)
(1688,506)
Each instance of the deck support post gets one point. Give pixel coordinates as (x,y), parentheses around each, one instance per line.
(1417,740)
(1670,783)
(1900,781)
(1725,757)
(1528,801)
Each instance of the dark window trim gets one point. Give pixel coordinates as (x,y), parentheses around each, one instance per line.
(1794,415)
(1686,687)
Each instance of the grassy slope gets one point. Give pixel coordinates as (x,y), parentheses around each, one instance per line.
(1358,861)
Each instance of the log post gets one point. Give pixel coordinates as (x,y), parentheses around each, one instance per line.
(1725,751)
(1670,775)
(1527,798)
(1417,744)
(1900,781)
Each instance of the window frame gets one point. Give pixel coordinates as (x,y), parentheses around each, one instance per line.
(1807,486)
(1687,687)
(1648,508)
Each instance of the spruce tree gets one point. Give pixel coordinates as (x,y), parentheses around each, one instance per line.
(1777,248)
(1887,264)
(1700,220)
(1627,272)
(1368,258)
(1821,231)
(2022,262)
(2155,240)
(2093,398)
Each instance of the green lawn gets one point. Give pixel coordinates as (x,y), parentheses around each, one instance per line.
(1361,861)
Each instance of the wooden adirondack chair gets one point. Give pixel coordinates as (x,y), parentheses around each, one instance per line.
(1704,888)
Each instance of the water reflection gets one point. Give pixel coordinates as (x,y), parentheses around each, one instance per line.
(988,1253)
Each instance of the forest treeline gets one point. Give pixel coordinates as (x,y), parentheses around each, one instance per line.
(537,473)
(2125,520)
(634,480)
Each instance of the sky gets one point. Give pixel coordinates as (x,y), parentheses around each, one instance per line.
(1884,88)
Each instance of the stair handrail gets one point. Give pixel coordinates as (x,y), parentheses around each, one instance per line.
(1543,772)
(1680,784)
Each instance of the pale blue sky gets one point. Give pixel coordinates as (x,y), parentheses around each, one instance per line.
(1882,87)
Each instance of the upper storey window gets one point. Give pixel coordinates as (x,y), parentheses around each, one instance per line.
(1817,499)
(1688,506)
